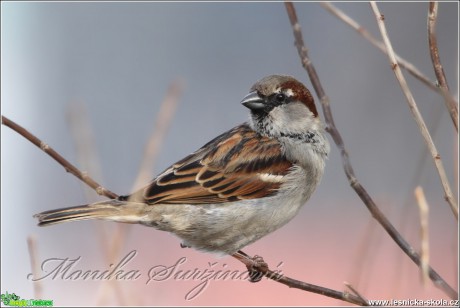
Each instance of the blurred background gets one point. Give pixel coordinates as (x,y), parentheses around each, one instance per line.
(111,64)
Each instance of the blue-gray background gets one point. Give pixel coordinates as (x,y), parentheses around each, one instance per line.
(118,59)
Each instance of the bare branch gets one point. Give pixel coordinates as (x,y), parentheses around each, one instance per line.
(33,254)
(297,284)
(364,256)
(61,160)
(451,104)
(433,42)
(352,289)
(87,157)
(417,177)
(425,248)
(416,113)
(438,69)
(359,189)
(85,143)
(379,44)
(162,123)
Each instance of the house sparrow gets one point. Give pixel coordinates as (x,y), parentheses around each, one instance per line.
(237,188)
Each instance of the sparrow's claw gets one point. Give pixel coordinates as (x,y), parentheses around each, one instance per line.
(256,265)
(257,269)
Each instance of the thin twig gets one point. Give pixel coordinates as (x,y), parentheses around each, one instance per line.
(61,160)
(162,123)
(438,69)
(85,145)
(33,254)
(352,289)
(416,113)
(450,101)
(341,15)
(433,43)
(417,177)
(424,235)
(359,189)
(364,254)
(297,284)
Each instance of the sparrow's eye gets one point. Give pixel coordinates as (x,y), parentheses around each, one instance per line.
(280,97)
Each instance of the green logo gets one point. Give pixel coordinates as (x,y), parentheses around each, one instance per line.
(6,298)
(15,300)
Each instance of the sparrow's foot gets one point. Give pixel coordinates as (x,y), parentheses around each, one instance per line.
(182,245)
(256,265)
(257,269)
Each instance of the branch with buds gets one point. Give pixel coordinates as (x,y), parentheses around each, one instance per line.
(355,184)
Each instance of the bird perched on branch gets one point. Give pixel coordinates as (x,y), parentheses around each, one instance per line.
(237,188)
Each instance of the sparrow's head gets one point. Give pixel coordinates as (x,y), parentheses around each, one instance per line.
(281,104)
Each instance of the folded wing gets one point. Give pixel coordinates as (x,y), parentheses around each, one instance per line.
(239,164)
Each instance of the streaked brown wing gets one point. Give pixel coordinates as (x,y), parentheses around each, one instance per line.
(239,164)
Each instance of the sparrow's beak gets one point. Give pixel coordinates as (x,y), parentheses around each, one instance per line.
(253,101)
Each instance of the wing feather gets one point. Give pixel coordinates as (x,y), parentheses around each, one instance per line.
(239,164)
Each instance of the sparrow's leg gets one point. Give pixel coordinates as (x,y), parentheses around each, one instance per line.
(256,265)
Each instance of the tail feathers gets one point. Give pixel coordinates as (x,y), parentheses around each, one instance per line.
(110,210)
